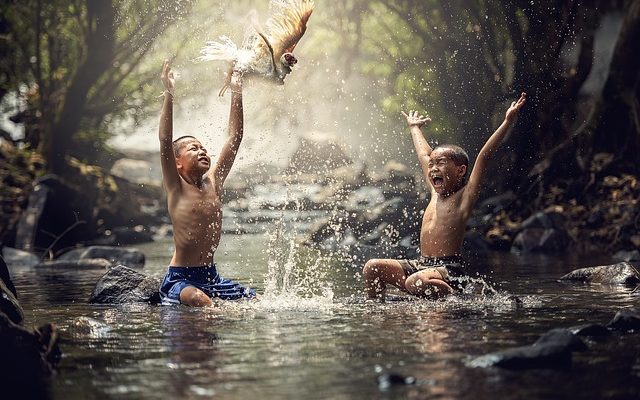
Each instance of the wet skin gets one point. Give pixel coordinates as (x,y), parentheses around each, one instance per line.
(196,213)
(193,187)
(444,219)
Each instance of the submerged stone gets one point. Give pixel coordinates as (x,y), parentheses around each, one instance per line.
(88,327)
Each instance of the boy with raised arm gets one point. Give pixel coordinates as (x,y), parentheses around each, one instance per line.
(193,195)
(438,270)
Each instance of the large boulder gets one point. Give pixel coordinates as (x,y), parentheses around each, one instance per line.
(132,258)
(124,285)
(617,274)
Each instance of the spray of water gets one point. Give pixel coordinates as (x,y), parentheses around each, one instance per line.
(293,281)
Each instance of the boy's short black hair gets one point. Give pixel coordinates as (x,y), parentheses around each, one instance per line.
(177,147)
(456,153)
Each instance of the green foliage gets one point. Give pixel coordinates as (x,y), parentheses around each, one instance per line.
(458,61)
(18,169)
(48,43)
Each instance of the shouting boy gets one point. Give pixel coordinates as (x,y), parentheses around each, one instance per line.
(193,195)
(439,268)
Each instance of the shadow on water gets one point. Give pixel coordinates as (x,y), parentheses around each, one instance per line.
(312,335)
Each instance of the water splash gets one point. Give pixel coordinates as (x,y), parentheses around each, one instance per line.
(294,281)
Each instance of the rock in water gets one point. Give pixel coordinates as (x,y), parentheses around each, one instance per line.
(625,320)
(86,263)
(19,258)
(132,258)
(591,331)
(552,350)
(124,285)
(617,274)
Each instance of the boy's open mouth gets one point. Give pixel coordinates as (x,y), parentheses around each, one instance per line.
(437,180)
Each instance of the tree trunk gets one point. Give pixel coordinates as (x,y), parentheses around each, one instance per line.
(617,130)
(613,125)
(100,47)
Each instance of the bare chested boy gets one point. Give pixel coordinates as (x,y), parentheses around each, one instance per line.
(439,268)
(193,195)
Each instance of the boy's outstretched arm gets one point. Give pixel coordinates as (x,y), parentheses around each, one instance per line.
(488,150)
(236,130)
(170,176)
(415,122)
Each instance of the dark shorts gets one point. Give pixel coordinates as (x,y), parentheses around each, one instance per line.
(451,268)
(205,278)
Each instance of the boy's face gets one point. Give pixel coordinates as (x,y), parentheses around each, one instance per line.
(192,157)
(445,176)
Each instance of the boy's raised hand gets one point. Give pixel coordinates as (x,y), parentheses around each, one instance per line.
(167,77)
(512,112)
(236,82)
(414,119)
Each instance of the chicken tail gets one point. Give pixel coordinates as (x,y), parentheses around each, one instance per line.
(223,50)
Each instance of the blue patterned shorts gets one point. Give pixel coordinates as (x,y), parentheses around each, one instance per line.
(205,278)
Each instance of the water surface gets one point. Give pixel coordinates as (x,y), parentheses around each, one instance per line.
(312,335)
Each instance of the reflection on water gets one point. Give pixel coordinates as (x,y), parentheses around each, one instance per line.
(312,334)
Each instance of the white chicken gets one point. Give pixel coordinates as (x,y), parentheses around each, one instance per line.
(265,52)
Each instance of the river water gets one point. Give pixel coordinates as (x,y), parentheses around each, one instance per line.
(312,336)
